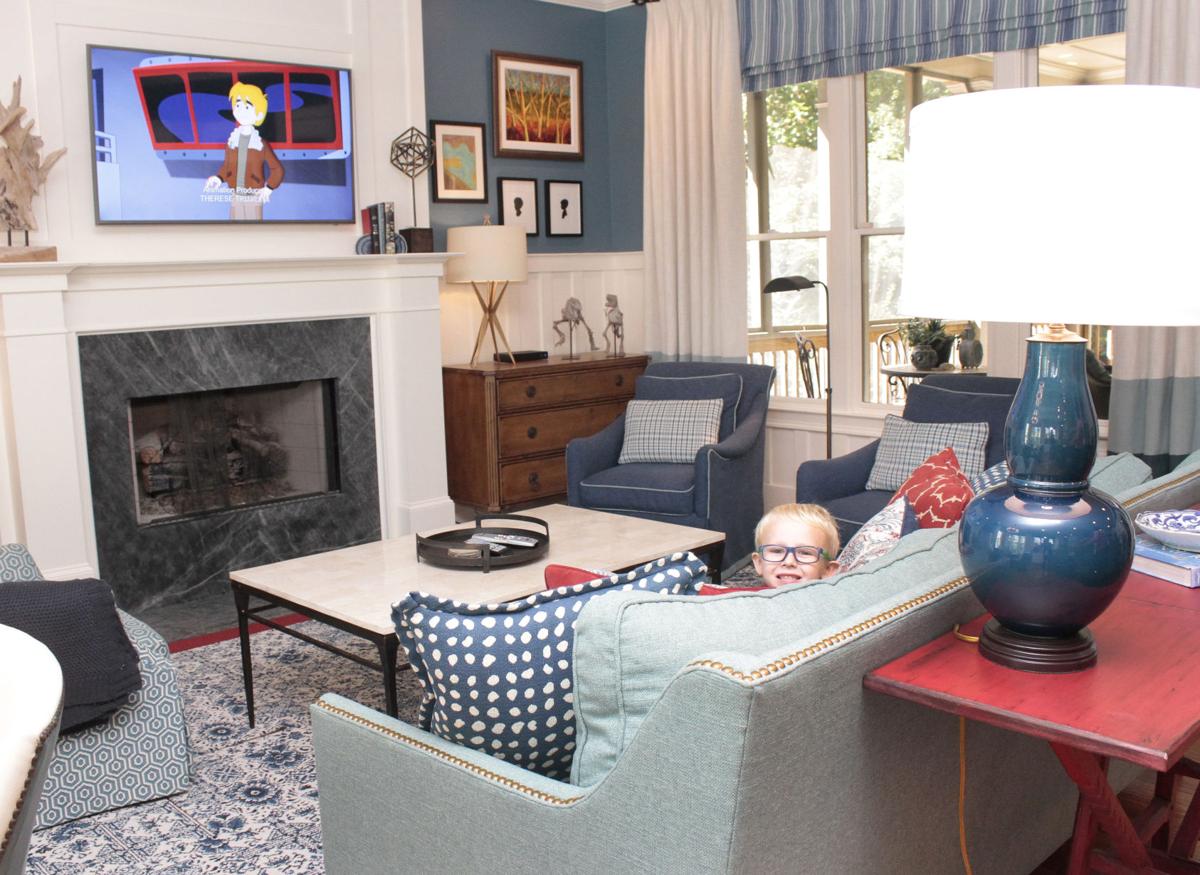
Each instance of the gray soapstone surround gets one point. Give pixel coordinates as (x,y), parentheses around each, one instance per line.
(163,561)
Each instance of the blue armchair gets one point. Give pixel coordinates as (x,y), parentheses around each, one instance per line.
(839,484)
(722,489)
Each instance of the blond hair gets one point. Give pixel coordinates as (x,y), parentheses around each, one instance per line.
(253,95)
(808,514)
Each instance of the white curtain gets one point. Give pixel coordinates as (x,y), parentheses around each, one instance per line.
(695,200)
(1155,403)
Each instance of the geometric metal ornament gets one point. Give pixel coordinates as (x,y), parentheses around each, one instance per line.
(412,155)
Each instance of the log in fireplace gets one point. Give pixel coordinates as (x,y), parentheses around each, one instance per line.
(200,452)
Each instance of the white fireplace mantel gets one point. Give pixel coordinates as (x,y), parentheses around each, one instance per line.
(45,492)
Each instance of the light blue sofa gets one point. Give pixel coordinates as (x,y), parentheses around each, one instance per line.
(722,735)
(138,754)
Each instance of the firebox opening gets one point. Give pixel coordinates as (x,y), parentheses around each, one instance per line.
(202,452)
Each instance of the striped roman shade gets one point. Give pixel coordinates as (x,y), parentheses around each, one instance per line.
(789,41)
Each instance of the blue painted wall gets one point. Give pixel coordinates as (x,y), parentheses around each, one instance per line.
(626,41)
(459,36)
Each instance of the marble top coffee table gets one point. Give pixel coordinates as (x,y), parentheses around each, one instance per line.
(353,589)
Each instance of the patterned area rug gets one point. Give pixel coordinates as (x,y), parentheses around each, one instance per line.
(252,804)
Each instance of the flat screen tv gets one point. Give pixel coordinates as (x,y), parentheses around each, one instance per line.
(193,138)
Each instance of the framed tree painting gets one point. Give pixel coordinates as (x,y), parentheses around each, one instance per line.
(460,162)
(537,106)
(518,203)
(564,208)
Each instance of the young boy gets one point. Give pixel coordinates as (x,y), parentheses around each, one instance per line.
(795,543)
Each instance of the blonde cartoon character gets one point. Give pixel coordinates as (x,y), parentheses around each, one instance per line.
(250,170)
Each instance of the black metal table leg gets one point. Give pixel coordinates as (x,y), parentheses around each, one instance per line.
(241,600)
(388,646)
(716,556)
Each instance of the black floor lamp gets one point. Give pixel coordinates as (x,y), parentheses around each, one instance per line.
(797,284)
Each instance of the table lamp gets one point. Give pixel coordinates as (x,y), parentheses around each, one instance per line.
(492,254)
(796,284)
(1052,205)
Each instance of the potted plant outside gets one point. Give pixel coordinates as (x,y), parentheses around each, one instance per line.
(928,343)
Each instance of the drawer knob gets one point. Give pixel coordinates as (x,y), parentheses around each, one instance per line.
(533,481)
(530,391)
(620,379)
(532,433)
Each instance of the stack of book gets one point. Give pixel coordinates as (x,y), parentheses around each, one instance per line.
(379,223)
(1158,560)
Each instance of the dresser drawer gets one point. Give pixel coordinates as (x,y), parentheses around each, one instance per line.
(549,430)
(527,481)
(539,391)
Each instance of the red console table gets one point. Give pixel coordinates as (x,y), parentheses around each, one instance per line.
(1140,703)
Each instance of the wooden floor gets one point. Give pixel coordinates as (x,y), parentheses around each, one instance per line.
(1135,798)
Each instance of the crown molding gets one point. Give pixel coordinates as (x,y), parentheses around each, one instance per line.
(594,5)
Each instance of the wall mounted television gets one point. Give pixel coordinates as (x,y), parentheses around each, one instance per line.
(194,138)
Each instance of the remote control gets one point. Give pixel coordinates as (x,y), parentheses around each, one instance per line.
(494,548)
(508,540)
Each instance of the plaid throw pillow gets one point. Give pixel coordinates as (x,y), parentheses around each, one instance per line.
(669,431)
(905,445)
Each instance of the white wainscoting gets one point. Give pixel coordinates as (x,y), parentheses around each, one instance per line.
(530,307)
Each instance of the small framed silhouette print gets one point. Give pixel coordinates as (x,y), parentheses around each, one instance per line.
(564,208)
(518,203)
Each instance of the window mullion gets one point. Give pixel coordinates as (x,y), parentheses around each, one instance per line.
(756,108)
(845,269)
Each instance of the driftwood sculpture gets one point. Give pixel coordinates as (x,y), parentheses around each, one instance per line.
(22,170)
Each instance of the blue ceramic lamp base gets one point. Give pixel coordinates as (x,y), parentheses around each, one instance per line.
(1046,554)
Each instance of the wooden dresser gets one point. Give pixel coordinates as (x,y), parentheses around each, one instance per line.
(507,426)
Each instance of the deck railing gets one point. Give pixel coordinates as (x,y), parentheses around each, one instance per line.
(781,350)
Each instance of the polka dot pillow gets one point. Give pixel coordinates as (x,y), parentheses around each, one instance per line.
(497,677)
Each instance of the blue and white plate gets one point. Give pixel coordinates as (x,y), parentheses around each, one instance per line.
(1178,528)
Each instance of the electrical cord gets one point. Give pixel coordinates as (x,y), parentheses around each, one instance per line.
(962,771)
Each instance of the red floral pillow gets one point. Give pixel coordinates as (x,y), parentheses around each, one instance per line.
(938,491)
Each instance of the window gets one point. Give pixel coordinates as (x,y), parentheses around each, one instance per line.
(1098,60)
(792,147)
(787,202)
(889,96)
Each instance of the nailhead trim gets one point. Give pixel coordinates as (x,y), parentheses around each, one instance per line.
(772,668)
(38,753)
(1153,492)
(450,758)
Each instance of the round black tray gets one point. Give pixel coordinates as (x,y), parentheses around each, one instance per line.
(450,550)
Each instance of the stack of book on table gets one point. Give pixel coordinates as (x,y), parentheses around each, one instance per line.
(1158,560)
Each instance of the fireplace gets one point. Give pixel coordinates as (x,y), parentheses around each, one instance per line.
(203,452)
(211,449)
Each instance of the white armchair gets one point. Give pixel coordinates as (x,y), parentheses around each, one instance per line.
(31,700)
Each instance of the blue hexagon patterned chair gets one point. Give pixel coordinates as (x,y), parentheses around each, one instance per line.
(138,754)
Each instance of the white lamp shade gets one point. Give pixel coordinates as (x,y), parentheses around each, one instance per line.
(1075,204)
(490,253)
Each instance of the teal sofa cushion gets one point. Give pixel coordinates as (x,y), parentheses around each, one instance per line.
(1175,490)
(629,646)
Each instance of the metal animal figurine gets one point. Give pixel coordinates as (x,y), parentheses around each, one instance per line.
(614,321)
(572,314)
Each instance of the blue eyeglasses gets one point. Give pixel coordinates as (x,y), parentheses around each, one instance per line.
(804,555)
